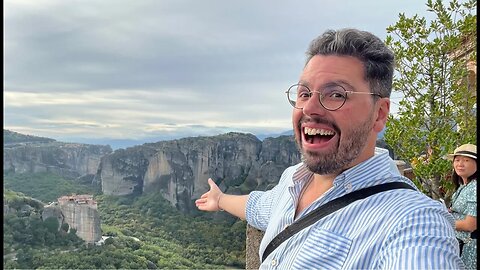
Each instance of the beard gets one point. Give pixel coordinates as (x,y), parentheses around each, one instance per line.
(351,144)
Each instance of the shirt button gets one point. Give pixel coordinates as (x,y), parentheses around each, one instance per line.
(348,186)
(274,262)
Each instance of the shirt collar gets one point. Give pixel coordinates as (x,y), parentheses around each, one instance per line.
(376,167)
(301,173)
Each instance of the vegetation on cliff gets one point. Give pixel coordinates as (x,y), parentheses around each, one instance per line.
(24,231)
(46,187)
(15,137)
(145,231)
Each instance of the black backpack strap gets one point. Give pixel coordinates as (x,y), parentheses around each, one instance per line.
(327,209)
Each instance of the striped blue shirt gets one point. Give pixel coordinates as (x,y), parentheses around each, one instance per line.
(396,229)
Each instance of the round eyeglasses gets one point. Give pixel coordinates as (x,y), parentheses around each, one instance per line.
(332,97)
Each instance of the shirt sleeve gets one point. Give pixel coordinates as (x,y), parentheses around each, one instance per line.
(471,207)
(255,216)
(260,204)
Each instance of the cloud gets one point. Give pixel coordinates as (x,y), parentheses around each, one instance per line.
(135,69)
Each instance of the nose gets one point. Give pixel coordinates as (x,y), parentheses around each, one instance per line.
(313,106)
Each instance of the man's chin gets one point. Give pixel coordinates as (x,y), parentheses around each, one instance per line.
(320,165)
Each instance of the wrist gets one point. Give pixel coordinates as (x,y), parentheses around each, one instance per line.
(218,202)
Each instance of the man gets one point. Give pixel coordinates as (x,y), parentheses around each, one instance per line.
(340,104)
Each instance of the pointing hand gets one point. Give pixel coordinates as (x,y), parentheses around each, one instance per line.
(209,200)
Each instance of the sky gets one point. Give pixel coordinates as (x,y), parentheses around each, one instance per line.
(135,71)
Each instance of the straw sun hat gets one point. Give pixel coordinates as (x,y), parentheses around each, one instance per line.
(467,150)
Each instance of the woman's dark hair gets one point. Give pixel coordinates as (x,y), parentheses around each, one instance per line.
(457,180)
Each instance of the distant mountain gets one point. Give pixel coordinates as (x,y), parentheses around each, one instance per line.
(10,137)
(274,135)
(126,143)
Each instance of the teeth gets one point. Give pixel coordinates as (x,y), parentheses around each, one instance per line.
(315,131)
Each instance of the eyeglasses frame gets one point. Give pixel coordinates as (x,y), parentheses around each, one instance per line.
(320,95)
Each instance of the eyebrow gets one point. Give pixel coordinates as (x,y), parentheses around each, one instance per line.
(342,83)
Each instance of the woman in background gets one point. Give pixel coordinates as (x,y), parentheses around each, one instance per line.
(464,201)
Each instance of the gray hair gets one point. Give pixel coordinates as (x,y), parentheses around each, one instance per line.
(377,58)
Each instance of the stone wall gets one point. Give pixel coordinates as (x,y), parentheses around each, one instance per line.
(254,237)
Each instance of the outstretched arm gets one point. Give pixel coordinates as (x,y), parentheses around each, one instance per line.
(215,200)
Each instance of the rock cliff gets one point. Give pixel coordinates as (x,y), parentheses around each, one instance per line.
(80,213)
(179,169)
(70,160)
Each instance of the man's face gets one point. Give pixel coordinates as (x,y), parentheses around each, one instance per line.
(332,141)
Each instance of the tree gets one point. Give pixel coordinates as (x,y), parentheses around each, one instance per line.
(65,227)
(25,258)
(52,224)
(438,110)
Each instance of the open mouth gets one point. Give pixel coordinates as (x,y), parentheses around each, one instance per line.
(317,135)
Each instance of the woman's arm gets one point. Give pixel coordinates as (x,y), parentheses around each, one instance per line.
(468,224)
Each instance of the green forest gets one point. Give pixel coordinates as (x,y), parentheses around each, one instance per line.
(145,232)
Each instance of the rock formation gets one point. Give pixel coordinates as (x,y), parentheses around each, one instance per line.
(179,169)
(80,213)
(53,210)
(70,160)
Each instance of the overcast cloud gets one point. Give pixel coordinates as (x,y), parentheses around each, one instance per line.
(141,70)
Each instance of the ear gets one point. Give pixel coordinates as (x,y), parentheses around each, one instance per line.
(382,111)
